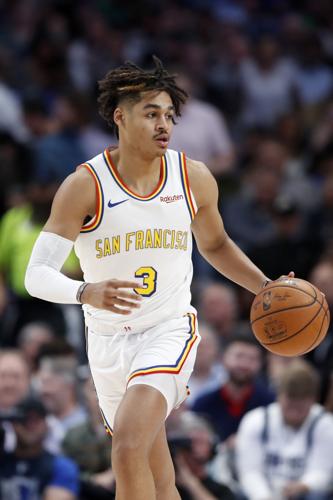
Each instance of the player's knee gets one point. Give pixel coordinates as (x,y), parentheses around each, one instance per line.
(127,449)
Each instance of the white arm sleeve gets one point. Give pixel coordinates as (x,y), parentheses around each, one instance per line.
(43,278)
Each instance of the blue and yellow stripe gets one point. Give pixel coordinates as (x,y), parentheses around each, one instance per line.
(186,185)
(175,368)
(96,220)
(107,427)
(161,183)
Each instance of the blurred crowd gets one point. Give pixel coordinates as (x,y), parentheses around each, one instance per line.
(260,115)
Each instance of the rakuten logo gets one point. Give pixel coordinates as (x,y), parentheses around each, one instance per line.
(171,199)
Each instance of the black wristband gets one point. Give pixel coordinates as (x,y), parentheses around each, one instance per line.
(80,292)
(265,283)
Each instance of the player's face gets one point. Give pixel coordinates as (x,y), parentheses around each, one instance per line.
(295,411)
(147,125)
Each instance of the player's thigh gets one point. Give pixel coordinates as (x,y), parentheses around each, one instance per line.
(161,463)
(139,418)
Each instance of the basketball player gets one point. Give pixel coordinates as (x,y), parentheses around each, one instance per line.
(142,200)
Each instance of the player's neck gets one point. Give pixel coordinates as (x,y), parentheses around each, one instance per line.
(141,174)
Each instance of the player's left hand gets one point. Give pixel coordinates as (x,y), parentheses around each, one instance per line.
(284,276)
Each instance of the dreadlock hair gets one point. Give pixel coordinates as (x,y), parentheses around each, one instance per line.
(129,81)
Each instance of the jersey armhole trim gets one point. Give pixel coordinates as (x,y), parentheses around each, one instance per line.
(96,220)
(191,205)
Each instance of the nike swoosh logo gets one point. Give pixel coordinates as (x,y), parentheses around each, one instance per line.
(111,205)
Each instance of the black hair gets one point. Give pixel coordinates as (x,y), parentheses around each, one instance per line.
(129,81)
(243,338)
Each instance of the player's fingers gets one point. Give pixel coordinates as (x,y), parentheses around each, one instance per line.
(125,284)
(128,295)
(125,303)
(291,274)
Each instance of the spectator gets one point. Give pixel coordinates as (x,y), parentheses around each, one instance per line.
(58,389)
(202,133)
(31,338)
(243,391)
(292,244)
(248,214)
(313,78)
(290,442)
(19,229)
(322,277)
(192,450)
(57,154)
(31,469)
(89,446)
(218,307)
(14,378)
(267,80)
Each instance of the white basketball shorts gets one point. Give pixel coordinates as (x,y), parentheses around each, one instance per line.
(162,357)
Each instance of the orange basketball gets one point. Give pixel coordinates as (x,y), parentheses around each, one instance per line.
(290,317)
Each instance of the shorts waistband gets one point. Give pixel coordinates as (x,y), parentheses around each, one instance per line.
(106,329)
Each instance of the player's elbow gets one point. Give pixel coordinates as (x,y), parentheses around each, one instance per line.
(31,281)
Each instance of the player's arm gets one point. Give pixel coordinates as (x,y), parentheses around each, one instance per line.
(212,240)
(75,199)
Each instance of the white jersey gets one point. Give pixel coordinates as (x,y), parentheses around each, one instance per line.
(143,238)
(270,453)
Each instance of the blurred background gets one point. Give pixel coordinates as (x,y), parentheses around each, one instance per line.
(260,115)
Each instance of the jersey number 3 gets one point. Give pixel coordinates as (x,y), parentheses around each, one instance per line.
(149,276)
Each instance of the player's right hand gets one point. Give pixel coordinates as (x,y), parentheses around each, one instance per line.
(110,295)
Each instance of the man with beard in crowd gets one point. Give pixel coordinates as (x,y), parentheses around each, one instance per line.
(226,405)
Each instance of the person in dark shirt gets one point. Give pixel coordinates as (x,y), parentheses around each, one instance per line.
(225,406)
(30,472)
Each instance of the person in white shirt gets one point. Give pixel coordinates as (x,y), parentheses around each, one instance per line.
(284,452)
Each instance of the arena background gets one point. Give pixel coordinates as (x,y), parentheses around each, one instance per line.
(260,115)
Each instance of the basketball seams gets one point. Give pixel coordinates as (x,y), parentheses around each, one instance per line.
(288,308)
(298,331)
(297,327)
(319,334)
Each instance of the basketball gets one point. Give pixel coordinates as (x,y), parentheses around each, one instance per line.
(290,316)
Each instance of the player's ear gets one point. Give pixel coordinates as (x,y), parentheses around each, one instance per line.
(119,117)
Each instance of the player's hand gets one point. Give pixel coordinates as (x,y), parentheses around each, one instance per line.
(112,295)
(290,275)
(284,276)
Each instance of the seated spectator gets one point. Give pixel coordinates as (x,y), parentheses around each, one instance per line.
(31,469)
(219,309)
(57,385)
(208,370)
(192,449)
(31,338)
(226,405)
(14,378)
(285,450)
(89,446)
(248,215)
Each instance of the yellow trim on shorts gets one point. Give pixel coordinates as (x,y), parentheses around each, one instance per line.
(175,368)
